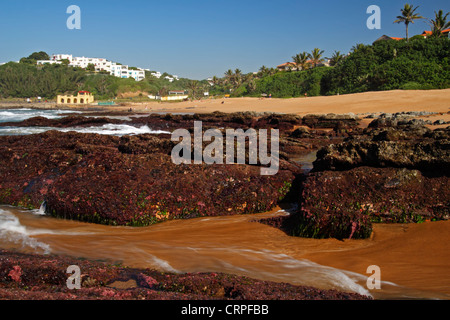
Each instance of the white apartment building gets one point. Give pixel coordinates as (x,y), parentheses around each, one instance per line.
(138,75)
(156,74)
(100,64)
(42,62)
(59,57)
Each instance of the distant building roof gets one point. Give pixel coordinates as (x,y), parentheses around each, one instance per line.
(427,32)
(286,64)
(385,37)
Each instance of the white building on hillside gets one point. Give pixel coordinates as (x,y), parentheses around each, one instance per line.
(59,57)
(42,62)
(138,75)
(100,64)
(156,74)
(119,70)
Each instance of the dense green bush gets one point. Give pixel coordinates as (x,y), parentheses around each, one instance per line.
(386,65)
(22,80)
(389,65)
(292,84)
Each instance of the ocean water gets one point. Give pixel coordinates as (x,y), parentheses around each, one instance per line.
(17,115)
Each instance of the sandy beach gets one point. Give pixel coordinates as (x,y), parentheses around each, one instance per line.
(436,101)
(360,103)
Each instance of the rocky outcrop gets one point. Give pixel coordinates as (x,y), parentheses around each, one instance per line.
(390,148)
(128,180)
(33,277)
(334,121)
(390,175)
(343,204)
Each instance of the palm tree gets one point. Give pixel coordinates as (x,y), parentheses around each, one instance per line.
(273,71)
(358,46)
(440,23)
(237,77)
(228,76)
(263,71)
(301,60)
(316,56)
(193,86)
(336,58)
(408,16)
(215,80)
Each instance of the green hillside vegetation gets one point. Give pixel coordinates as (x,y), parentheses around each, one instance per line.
(417,64)
(387,65)
(26,79)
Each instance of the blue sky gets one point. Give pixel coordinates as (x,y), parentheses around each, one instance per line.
(198,38)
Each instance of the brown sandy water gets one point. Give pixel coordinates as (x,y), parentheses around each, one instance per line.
(414,259)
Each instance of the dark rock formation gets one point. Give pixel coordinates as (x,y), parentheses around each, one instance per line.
(390,148)
(334,121)
(387,175)
(128,180)
(33,277)
(343,204)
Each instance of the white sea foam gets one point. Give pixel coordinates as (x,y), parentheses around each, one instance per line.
(161,264)
(107,129)
(16,115)
(302,271)
(11,231)
(115,129)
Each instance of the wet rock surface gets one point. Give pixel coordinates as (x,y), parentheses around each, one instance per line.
(414,148)
(33,277)
(396,170)
(127,180)
(392,175)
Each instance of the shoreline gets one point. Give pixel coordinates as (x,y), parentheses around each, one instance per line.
(357,103)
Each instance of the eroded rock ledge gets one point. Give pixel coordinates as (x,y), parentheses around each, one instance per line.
(33,277)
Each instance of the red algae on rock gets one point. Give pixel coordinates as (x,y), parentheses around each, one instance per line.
(106,180)
(45,278)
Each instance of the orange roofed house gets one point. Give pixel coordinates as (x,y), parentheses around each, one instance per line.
(427,33)
(385,37)
(287,66)
(293,66)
